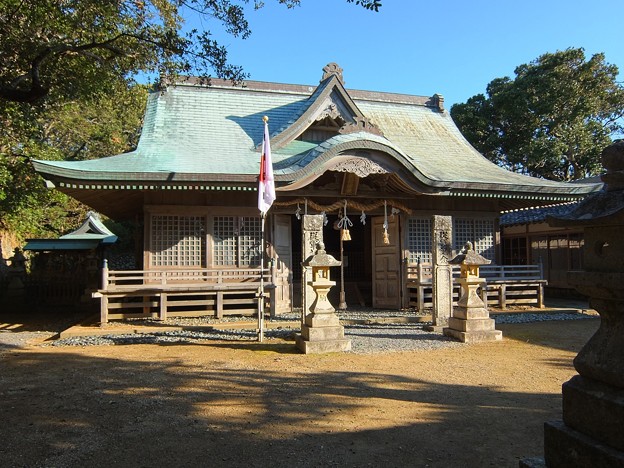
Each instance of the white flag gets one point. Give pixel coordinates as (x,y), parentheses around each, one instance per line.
(266,183)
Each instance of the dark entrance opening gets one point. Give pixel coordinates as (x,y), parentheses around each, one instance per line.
(357,259)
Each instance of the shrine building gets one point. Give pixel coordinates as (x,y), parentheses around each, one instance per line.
(386,162)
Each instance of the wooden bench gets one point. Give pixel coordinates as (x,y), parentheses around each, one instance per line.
(178,293)
(504,285)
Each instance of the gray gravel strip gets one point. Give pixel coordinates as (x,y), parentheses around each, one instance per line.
(386,338)
(526,317)
(366,338)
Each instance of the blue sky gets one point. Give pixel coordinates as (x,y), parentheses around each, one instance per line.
(451,47)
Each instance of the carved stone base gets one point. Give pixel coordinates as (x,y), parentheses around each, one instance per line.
(331,345)
(591,431)
(474,336)
(322,320)
(595,409)
(565,447)
(472,330)
(322,333)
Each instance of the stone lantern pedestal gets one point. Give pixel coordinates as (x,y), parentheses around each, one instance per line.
(592,431)
(321,331)
(471,320)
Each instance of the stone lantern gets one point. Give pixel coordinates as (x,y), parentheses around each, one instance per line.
(471,320)
(321,331)
(17,275)
(592,430)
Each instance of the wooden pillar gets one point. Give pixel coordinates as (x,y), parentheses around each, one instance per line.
(104,284)
(502,296)
(540,295)
(219,304)
(162,315)
(420,291)
(103,308)
(103,297)
(273,294)
(404,290)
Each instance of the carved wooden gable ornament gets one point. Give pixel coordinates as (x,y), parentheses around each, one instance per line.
(330,105)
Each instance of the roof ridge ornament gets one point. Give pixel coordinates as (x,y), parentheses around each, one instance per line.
(438,101)
(332,69)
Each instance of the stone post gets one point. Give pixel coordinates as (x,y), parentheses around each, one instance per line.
(592,430)
(321,332)
(471,322)
(312,234)
(442,272)
(17,276)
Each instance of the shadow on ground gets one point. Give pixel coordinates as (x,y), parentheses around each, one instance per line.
(69,409)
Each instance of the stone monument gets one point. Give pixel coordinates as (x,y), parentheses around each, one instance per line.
(471,322)
(312,234)
(321,331)
(592,431)
(442,272)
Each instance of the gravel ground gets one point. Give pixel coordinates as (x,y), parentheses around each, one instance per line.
(367,337)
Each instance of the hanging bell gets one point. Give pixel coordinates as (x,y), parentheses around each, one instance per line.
(345,235)
(386,239)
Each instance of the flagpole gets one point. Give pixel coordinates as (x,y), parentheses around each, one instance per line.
(266,197)
(261,292)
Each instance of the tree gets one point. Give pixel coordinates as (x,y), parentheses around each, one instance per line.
(552,120)
(67,87)
(106,123)
(72,46)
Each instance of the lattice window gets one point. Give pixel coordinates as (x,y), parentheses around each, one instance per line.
(462,233)
(484,238)
(478,231)
(177,241)
(249,241)
(514,251)
(224,241)
(236,241)
(419,240)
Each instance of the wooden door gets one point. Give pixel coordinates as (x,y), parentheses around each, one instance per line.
(283,268)
(386,265)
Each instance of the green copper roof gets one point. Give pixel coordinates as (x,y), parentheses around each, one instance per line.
(210,136)
(192,130)
(91,234)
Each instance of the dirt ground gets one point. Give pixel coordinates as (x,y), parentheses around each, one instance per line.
(263,404)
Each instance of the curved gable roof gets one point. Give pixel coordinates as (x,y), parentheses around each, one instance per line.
(329,92)
(210,134)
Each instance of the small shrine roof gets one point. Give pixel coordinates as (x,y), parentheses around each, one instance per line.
(90,235)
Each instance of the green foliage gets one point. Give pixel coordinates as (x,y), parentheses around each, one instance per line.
(103,125)
(373,5)
(552,120)
(75,48)
(67,89)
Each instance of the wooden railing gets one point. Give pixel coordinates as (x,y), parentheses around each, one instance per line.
(183,292)
(504,285)
(115,279)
